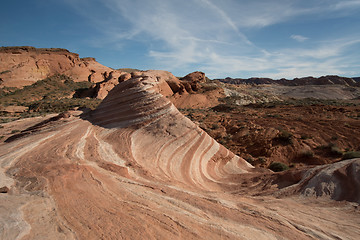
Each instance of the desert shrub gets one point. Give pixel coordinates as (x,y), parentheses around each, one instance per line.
(278,167)
(351,154)
(332,149)
(304,137)
(285,134)
(273,115)
(61,105)
(306,154)
(129,70)
(250,159)
(6,71)
(228,137)
(6,120)
(262,160)
(15,131)
(209,87)
(223,108)
(284,137)
(336,151)
(54,87)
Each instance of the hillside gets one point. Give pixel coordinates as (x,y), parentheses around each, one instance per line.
(323,80)
(22,66)
(136,168)
(147,155)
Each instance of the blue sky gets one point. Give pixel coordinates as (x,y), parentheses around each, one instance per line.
(236,38)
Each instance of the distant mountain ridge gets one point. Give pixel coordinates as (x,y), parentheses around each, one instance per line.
(323,80)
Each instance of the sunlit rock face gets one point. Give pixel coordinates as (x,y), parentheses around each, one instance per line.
(136,168)
(21,66)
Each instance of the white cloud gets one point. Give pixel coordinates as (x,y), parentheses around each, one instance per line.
(299,38)
(210,35)
(346,4)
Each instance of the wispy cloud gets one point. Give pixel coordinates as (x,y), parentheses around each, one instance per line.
(209,35)
(338,5)
(299,38)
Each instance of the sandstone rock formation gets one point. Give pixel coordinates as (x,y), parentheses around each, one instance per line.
(330,181)
(185,93)
(21,66)
(197,76)
(136,168)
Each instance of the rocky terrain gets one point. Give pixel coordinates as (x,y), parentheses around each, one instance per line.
(324,80)
(149,161)
(22,66)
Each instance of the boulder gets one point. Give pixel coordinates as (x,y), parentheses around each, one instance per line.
(198,77)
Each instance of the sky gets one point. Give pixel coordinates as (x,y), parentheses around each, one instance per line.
(223,38)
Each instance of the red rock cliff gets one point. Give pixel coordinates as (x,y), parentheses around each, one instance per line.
(21,66)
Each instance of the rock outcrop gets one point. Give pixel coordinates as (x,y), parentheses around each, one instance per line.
(21,66)
(189,92)
(136,168)
(197,76)
(339,181)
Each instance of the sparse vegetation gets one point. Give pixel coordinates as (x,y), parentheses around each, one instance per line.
(273,115)
(336,151)
(284,136)
(304,137)
(351,154)
(278,167)
(306,154)
(129,70)
(205,87)
(304,102)
(332,149)
(262,160)
(223,108)
(54,87)
(55,106)
(51,95)
(6,71)
(250,160)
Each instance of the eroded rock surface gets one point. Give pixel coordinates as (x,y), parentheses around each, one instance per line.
(21,66)
(136,168)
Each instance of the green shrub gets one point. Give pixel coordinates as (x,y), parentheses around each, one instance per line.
(351,154)
(250,159)
(306,154)
(285,137)
(332,149)
(223,108)
(262,160)
(278,167)
(6,71)
(304,137)
(336,151)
